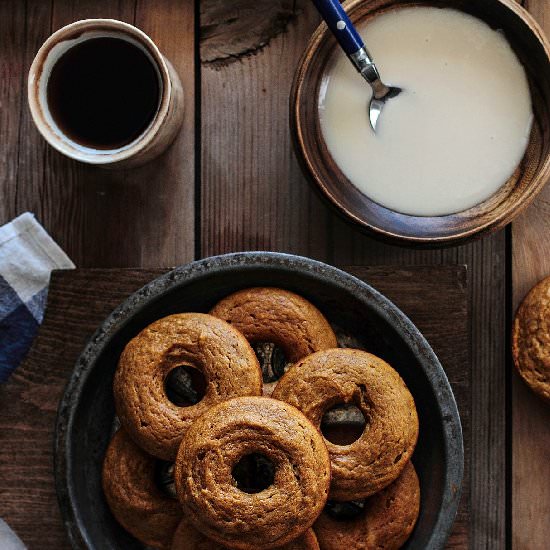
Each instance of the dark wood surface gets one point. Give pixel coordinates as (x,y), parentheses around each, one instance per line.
(230,183)
(435,298)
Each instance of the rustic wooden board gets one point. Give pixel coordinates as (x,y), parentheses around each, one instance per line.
(254,196)
(434,297)
(530,490)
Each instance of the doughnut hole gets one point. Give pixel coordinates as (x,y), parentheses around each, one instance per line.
(164,478)
(185,386)
(253,473)
(345,511)
(343,424)
(272,359)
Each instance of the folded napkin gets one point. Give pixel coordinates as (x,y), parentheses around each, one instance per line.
(8,539)
(27,257)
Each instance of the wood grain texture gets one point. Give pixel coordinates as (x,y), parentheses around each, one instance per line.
(252,193)
(81,299)
(139,216)
(254,196)
(227,37)
(24,26)
(531,417)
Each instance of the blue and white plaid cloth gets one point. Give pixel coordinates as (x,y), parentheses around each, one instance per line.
(8,539)
(27,257)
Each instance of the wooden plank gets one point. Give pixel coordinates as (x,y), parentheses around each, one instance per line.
(166,223)
(23,27)
(245,125)
(531,418)
(141,216)
(79,300)
(253,193)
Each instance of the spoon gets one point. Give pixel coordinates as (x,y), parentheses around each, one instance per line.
(339,23)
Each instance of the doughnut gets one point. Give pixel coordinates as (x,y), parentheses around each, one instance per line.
(384,520)
(281,511)
(347,376)
(133,496)
(187,537)
(531,339)
(280,317)
(203,342)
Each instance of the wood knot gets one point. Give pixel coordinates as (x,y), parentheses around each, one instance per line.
(241,28)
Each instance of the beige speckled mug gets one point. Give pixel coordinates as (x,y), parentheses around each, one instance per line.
(163,117)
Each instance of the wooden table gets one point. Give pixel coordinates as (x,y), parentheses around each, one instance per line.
(231,182)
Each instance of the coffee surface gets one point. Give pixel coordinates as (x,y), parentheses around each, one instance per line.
(103,93)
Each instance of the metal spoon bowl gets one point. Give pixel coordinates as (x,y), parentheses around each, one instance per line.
(381,92)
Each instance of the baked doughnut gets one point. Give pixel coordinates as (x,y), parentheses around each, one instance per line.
(187,537)
(385,520)
(531,339)
(348,376)
(280,317)
(201,341)
(133,496)
(280,511)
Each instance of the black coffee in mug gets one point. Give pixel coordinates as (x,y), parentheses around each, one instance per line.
(103,92)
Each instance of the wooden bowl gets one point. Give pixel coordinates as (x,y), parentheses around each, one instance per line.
(533,49)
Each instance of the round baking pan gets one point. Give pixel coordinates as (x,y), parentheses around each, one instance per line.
(357,311)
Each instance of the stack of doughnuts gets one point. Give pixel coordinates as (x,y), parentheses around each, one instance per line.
(251,467)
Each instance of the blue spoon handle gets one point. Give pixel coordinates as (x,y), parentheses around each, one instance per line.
(339,23)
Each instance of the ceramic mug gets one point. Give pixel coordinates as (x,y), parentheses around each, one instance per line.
(151,141)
